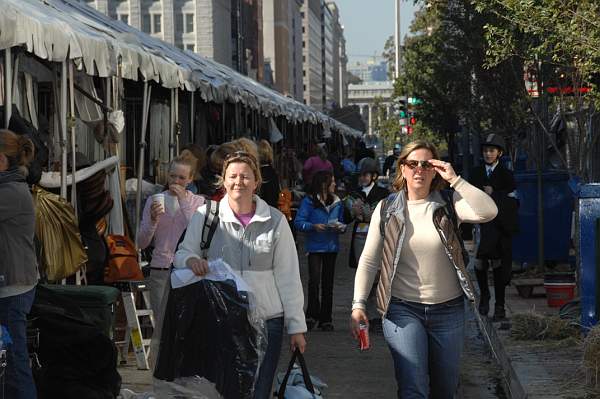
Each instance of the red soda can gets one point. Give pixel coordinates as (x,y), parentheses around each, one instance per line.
(363,337)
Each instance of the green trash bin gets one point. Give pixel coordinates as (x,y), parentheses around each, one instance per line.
(97,302)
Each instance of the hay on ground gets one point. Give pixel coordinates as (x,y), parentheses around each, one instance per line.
(534,326)
(591,357)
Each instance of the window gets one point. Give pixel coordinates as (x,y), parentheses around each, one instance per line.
(146,23)
(124,18)
(189,23)
(190,47)
(156,23)
(179,22)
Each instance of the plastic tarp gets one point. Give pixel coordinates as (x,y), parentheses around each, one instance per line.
(211,341)
(57,30)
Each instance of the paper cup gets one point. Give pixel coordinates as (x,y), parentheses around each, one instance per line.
(159,198)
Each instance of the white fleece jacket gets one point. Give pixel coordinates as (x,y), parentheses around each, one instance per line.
(264,253)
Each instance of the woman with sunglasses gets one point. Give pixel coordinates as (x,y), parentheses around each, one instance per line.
(256,241)
(423,282)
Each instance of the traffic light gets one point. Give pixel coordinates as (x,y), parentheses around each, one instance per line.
(413,120)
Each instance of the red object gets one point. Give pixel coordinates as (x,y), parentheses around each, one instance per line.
(363,337)
(413,120)
(557,294)
(409,130)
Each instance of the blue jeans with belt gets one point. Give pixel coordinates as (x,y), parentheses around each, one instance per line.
(13,315)
(426,342)
(268,367)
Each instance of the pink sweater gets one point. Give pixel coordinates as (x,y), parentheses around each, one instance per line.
(167,230)
(313,165)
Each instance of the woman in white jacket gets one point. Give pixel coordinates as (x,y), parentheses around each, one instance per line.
(256,241)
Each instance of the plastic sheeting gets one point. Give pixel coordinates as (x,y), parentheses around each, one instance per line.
(211,342)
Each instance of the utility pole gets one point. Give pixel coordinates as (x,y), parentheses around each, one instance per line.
(397,39)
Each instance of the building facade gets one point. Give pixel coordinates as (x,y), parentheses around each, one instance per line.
(370,71)
(327,56)
(312,53)
(340,60)
(227,31)
(364,95)
(282,38)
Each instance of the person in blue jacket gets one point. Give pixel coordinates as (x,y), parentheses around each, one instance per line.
(321,217)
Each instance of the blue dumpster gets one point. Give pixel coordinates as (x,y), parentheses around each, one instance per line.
(558,209)
(589,252)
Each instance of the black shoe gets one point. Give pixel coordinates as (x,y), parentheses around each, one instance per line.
(484,306)
(499,313)
(326,326)
(310,323)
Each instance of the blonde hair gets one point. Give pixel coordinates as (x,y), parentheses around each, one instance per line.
(217,158)
(19,150)
(246,145)
(265,152)
(242,157)
(399,183)
(185,161)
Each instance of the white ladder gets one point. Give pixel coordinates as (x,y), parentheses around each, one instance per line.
(133,331)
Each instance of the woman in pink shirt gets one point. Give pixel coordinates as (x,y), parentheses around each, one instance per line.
(163,225)
(316,163)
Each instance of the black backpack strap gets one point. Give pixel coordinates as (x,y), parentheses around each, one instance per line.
(211,221)
(385,204)
(447,196)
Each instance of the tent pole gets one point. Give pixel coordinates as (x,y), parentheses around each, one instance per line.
(73,143)
(142,146)
(177,126)
(192,117)
(63,130)
(7,86)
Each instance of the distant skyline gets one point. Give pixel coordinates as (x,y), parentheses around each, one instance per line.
(367,27)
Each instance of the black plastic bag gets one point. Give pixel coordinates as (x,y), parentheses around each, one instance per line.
(207,332)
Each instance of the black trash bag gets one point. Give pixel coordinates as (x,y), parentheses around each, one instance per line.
(207,333)
(77,359)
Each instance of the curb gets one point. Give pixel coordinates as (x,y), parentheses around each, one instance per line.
(512,384)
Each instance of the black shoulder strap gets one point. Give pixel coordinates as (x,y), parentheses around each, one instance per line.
(385,204)
(211,221)
(447,196)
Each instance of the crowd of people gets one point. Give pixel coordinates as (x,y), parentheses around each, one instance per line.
(405,245)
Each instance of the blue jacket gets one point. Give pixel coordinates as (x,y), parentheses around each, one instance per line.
(309,215)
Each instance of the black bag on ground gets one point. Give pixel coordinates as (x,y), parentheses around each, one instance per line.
(77,359)
(206,333)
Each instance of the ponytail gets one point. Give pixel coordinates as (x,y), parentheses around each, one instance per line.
(18,149)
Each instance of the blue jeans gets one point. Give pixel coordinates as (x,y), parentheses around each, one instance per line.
(426,342)
(268,367)
(13,315)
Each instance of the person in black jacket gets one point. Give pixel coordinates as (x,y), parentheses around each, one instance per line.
(360,205)
(495,246)
(270,188)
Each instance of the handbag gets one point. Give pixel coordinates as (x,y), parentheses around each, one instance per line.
(122,261)
(296,386)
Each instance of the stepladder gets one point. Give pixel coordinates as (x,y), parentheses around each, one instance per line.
(130,292)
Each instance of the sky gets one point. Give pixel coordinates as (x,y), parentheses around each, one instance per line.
(368,24)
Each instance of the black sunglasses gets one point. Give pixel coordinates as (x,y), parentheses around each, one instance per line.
(412,164)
